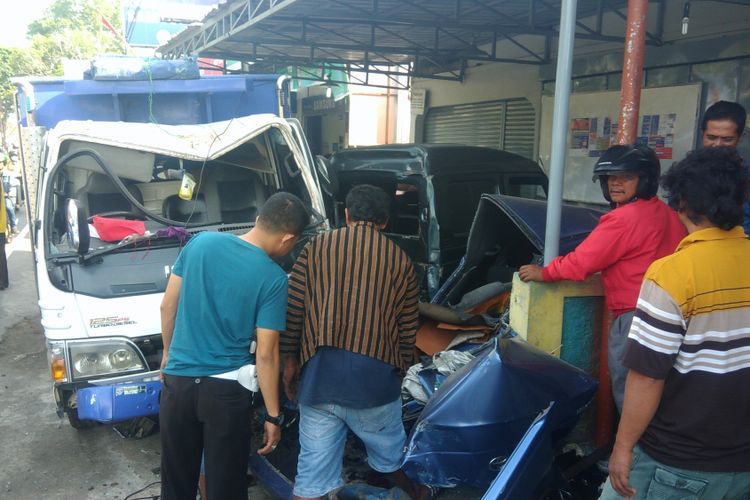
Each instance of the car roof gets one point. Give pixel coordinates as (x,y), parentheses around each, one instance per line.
(431,159)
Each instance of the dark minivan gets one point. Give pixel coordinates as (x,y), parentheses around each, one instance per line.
(435,190)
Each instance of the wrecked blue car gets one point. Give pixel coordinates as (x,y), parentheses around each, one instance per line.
(492,419)
(473,422)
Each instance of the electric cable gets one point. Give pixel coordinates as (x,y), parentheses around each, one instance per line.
(203,167)
(151,497)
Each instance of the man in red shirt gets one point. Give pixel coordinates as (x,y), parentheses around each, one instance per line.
(639,230)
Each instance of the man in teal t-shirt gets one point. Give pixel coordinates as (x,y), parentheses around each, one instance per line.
(225,296)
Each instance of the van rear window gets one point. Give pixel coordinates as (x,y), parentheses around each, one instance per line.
(533,188)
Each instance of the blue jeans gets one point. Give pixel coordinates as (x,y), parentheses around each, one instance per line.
(653,480)
(322,436)
(616,346)
(11,211)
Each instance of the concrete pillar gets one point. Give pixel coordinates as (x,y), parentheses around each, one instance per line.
(568,319)
(562,318)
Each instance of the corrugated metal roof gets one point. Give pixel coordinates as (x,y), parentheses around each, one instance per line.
(428,38)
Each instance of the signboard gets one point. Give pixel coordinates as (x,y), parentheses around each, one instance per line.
(318,105)
(667,123)
(152,24)
(418,98)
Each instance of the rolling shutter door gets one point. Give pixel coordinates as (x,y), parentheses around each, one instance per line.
(476,124)
(520,128)
(506,124)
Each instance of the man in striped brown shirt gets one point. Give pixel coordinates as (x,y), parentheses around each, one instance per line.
(351,324)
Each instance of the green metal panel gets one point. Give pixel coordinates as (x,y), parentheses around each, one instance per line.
(581,336)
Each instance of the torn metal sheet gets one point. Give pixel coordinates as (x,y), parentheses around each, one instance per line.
(473,422)
(521,476)
(507,233)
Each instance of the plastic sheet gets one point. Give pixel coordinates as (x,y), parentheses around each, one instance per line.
(125,68)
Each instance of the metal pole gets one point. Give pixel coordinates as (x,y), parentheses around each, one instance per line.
(632,71)
(560,128)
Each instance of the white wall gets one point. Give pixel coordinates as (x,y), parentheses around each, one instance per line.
(372,116)
(333,131)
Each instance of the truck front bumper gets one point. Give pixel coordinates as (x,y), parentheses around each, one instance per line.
(120,399)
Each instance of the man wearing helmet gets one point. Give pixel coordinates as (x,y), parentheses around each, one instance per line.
(639,230)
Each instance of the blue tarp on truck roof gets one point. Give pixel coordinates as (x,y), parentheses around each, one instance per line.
(170,102)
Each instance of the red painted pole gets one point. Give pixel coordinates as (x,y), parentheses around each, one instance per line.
(630,103)
(632,71)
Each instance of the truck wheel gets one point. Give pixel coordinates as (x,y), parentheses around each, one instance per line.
(77,423)
(71,410)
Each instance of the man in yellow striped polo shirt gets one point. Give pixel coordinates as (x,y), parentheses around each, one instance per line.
(685,426)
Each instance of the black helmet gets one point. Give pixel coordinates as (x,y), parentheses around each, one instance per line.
(630,158)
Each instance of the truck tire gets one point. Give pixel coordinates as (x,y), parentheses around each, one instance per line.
(77,423)
(71,410)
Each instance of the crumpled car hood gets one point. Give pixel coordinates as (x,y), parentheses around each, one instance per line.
(530,217)
(473,422)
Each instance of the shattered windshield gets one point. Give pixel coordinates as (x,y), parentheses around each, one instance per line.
(128,198)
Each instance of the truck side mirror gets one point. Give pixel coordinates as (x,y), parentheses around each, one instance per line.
(78,227)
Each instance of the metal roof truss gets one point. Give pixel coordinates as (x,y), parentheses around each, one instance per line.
(434,39)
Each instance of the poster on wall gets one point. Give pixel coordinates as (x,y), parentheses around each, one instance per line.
(667,123)
(579,137)
(601,135)
(591,136)
(657,131)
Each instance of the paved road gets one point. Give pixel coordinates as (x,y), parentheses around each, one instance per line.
(41,456)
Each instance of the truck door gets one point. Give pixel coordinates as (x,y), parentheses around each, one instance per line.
(33,157)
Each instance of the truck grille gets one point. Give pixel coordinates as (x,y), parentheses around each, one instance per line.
(151,346)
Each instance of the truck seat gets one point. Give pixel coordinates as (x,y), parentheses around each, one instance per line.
(239,200)
(177,209)
(100,195)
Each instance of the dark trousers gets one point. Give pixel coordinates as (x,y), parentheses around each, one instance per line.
(3,263)
(210,416)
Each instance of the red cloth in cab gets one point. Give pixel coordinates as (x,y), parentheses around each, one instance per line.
(112,230)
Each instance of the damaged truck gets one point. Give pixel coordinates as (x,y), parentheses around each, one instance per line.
(125,172)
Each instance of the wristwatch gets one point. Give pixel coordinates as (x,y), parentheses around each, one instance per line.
(277,421)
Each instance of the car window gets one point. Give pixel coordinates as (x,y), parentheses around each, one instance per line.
(291,177)
(404,210)
(456,202)
(533,188)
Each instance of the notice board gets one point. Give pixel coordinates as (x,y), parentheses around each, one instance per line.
(668,122)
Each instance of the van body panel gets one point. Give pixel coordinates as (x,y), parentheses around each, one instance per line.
(435,190)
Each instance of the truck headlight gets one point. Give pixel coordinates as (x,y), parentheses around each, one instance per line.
(103,357)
